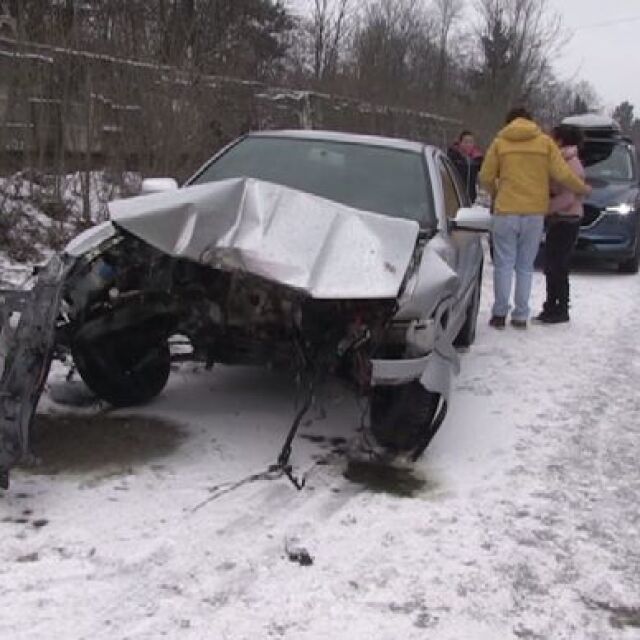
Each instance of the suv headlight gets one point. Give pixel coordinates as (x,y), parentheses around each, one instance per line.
(622,209)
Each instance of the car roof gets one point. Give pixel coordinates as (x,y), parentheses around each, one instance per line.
(598,129)
(592,121)
(351,138)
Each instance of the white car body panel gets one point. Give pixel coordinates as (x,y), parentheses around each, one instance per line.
(310,244)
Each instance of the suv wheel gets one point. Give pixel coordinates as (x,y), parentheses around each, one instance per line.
(401,414)
(632,265)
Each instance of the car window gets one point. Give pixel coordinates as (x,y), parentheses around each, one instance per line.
(608,162)
(463,197)
(384,180)
(451,200)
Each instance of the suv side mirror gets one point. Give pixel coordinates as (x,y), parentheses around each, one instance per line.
(472,219)
(158,185)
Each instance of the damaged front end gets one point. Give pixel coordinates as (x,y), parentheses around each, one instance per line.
(245,272)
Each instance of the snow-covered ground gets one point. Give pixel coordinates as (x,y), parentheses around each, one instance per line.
(521,521)
(13,274)
(41,212)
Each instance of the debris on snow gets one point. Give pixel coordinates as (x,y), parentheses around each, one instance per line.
(297,553)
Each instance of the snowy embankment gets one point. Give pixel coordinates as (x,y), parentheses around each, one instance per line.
(41,212)
(521,521)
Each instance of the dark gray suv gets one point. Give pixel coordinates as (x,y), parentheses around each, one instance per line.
(610,229)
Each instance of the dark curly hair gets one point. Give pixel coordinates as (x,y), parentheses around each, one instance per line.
(567,136)
(518,112)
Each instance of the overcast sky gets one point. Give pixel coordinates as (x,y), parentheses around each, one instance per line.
(605,55)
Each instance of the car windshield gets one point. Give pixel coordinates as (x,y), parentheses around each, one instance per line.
(608,162)
(384,180)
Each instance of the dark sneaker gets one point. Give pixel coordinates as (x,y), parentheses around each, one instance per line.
(497,322)
(555,318)
(543,316)
(518,324)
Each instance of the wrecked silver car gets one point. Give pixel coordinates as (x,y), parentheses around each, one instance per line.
(325,253)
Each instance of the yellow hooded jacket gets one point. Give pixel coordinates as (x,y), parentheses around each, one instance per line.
(518,167)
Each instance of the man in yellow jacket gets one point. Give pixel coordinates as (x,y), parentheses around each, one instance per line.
(517,172)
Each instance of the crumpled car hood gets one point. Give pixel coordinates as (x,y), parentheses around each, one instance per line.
(323,248)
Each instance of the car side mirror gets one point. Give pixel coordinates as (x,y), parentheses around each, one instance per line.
(472,219)
(158,185)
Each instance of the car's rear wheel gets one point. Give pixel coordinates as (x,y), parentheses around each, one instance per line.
(467,334)
(401,415)
(125,368)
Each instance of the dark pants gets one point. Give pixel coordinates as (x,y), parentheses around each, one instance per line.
(560,240)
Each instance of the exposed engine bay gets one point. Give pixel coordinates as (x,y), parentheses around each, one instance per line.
(132,292)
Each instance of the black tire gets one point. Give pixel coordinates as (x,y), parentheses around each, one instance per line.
(467,334)
(125,369)
(400,415)
(632,265)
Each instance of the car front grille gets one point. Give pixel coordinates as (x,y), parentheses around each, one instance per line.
(591,214)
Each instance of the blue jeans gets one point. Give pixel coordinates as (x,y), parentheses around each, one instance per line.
(516,239)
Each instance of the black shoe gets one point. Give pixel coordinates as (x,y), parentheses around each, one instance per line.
(518,324)
(558,317)
(544,315)
(498,322)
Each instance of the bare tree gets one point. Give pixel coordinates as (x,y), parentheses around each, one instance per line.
(448,13)
(517,38)
(623,114)
(384,47)
(329,28)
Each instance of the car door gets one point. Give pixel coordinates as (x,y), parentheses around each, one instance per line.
(465,254)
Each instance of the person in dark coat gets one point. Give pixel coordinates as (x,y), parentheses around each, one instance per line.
(562,225)
(467,159)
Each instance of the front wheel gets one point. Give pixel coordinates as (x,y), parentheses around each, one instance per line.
(632,265)
(402,415)
(126,368)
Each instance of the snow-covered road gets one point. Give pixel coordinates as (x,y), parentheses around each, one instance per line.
(521,521)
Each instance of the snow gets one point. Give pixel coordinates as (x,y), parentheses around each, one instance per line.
(19,55)
(524,525)
(13,275)
(39,212)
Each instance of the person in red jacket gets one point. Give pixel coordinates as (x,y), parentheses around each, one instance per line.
(467,157)
(562,227)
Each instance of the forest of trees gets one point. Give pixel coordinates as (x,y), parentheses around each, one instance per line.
(468,59)
(158,85)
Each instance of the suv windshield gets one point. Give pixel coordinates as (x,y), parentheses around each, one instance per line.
(379,179)
(608,161)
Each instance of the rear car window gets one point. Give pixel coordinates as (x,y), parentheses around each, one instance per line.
(384,180)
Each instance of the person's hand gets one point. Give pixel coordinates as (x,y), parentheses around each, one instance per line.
(588,189)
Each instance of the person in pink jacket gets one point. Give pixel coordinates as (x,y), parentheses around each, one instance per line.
(562,227)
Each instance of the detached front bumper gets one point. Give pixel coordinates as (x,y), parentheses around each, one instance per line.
(28,339)
(434,370)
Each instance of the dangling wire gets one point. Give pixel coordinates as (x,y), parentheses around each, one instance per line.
(282,462)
